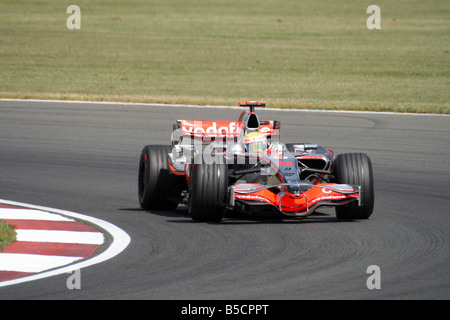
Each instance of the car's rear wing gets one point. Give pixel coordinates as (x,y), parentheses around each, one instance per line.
(207,129)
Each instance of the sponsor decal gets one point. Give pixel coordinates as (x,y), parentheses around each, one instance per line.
(216,128)
(329,197)
(223,129)
(252,197)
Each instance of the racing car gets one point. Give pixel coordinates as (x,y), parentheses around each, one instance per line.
(216,166)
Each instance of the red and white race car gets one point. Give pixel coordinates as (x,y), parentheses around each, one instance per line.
(214,166)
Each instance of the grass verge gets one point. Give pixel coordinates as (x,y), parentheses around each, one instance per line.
(7,234)
(292,54)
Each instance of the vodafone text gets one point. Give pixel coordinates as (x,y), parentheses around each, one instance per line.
(224,131)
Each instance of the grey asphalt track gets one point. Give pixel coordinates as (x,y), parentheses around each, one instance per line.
(83,157)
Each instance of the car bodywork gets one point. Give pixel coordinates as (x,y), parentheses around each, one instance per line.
(292,179)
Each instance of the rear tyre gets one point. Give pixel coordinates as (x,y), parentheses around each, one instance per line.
(208,187)
(155,182)
(355,169)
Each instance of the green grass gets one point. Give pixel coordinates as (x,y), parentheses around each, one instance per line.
(290,53)
(7,234)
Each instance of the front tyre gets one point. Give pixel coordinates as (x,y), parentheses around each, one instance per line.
(355,169)
(155,182)
(208,188)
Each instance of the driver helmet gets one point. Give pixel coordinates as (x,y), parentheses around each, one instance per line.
(255,142)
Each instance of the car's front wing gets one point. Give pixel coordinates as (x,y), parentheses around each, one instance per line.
(294,199)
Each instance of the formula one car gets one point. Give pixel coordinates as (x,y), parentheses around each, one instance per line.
(215,166)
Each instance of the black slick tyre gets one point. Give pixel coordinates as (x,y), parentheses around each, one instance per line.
(155,182)
(355,169)
(208,187)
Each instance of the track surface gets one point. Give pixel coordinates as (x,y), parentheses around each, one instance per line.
(84,157)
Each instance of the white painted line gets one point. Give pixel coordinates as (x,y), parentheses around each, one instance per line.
(29,214)
(60,236)
(226,107)
(20,262)
(120,240)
